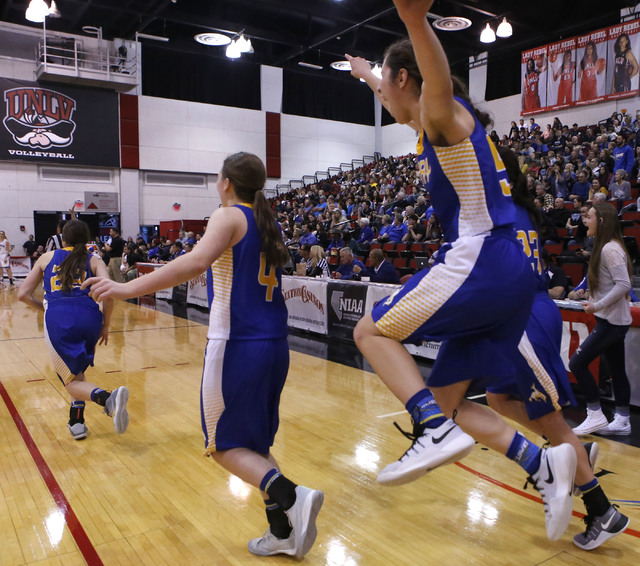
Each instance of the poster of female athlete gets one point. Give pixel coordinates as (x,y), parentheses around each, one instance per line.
(622,63)
(534,80)
(591,65)
(561,74)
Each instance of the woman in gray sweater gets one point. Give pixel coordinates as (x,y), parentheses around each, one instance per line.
(609,281)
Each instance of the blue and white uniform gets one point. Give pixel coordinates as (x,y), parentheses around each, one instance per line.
(480,287)
(72,320)
(539,377)
(247,355)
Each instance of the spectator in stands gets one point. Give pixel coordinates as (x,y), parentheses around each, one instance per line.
(177,249)
(317,265)
(596,188)
(580,187)
(381,270)
(541,193)
(609,281)
(421,207)
(366,234)
(557,280)
(336,243)
(620,189)
(566,179)
(339,222)
(623,155)
(416,230)
(434,230)
(398,229)
(559,214)
(349,267)
(320,207)
(308,237)
(130,259)
(383,236)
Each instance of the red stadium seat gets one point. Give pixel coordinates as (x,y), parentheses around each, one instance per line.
(575,272)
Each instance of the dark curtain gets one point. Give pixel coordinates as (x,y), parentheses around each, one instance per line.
(503,75)
(200,78)
(327,98)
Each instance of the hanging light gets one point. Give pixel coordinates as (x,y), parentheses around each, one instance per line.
(37,11)
(233,50)
(244,44)
(487,35)
(504,29)
(377,70)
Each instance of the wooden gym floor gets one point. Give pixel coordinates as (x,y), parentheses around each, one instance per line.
(149,497)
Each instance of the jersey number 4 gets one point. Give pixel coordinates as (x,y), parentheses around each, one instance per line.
(267,277)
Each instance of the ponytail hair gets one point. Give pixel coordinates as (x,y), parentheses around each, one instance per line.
(400,55)
(247,174)
(75,233)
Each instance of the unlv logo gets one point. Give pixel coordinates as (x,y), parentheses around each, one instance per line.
(39,118)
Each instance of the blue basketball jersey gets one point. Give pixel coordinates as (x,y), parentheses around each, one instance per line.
(51,278)
(527,233)
(467,184)
(247,293)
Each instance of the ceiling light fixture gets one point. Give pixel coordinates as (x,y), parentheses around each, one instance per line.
(244,44)
(212,39)
(488,35)
(233,50)
(37,11)
(341,66)
(310,65)
(377,70)
(453,23)
(504,29)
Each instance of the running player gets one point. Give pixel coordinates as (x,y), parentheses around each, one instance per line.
(482,259)
(540,386)
(247,355)
(5,259)
(74,324)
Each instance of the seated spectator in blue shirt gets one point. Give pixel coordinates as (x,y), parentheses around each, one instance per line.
(623,155)
(380,270)
(308,237)
(350,267)
(336,240)
(580,187)
(383,237)
(398,229)
(366,233)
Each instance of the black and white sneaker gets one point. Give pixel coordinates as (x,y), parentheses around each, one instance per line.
(601,529)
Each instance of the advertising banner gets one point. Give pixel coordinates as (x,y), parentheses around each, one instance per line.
(346,307)
(561,75)
(59,124)
(197,292)
(622,60)
(306,300)
(20,265)
(534,80)
(591,66)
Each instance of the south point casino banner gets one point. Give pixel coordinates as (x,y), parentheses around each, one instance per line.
(58,124)
(601,65)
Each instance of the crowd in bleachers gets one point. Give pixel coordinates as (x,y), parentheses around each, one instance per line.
(384,205)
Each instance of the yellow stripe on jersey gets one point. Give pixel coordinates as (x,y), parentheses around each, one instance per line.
(504,184)
(543,378)
(212,399)
(460,164)
(420,144)
(220,317)
(428,296)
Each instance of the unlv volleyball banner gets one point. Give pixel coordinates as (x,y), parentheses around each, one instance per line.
(59,124)
(601,65)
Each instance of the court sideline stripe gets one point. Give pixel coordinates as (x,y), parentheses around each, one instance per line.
(494,481)
(80,536)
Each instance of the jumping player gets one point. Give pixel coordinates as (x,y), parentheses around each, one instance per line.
(470,194)
(74,324)
(540,386)
(240,392)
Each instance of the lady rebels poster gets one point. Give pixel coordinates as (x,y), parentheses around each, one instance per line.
(601,65)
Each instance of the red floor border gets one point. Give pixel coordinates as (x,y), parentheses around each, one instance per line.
(80,536)
(494,481)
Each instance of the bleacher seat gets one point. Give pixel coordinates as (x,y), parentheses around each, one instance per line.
(554,249)
(575,271)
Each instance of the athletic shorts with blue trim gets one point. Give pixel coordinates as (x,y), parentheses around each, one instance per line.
(242,381)
(475,298)
(72,330)
(539,377)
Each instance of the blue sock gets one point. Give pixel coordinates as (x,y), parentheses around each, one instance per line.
(524,453)
(588,486)
(424,410)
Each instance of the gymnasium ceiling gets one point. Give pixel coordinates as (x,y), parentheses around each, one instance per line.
(285,32)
